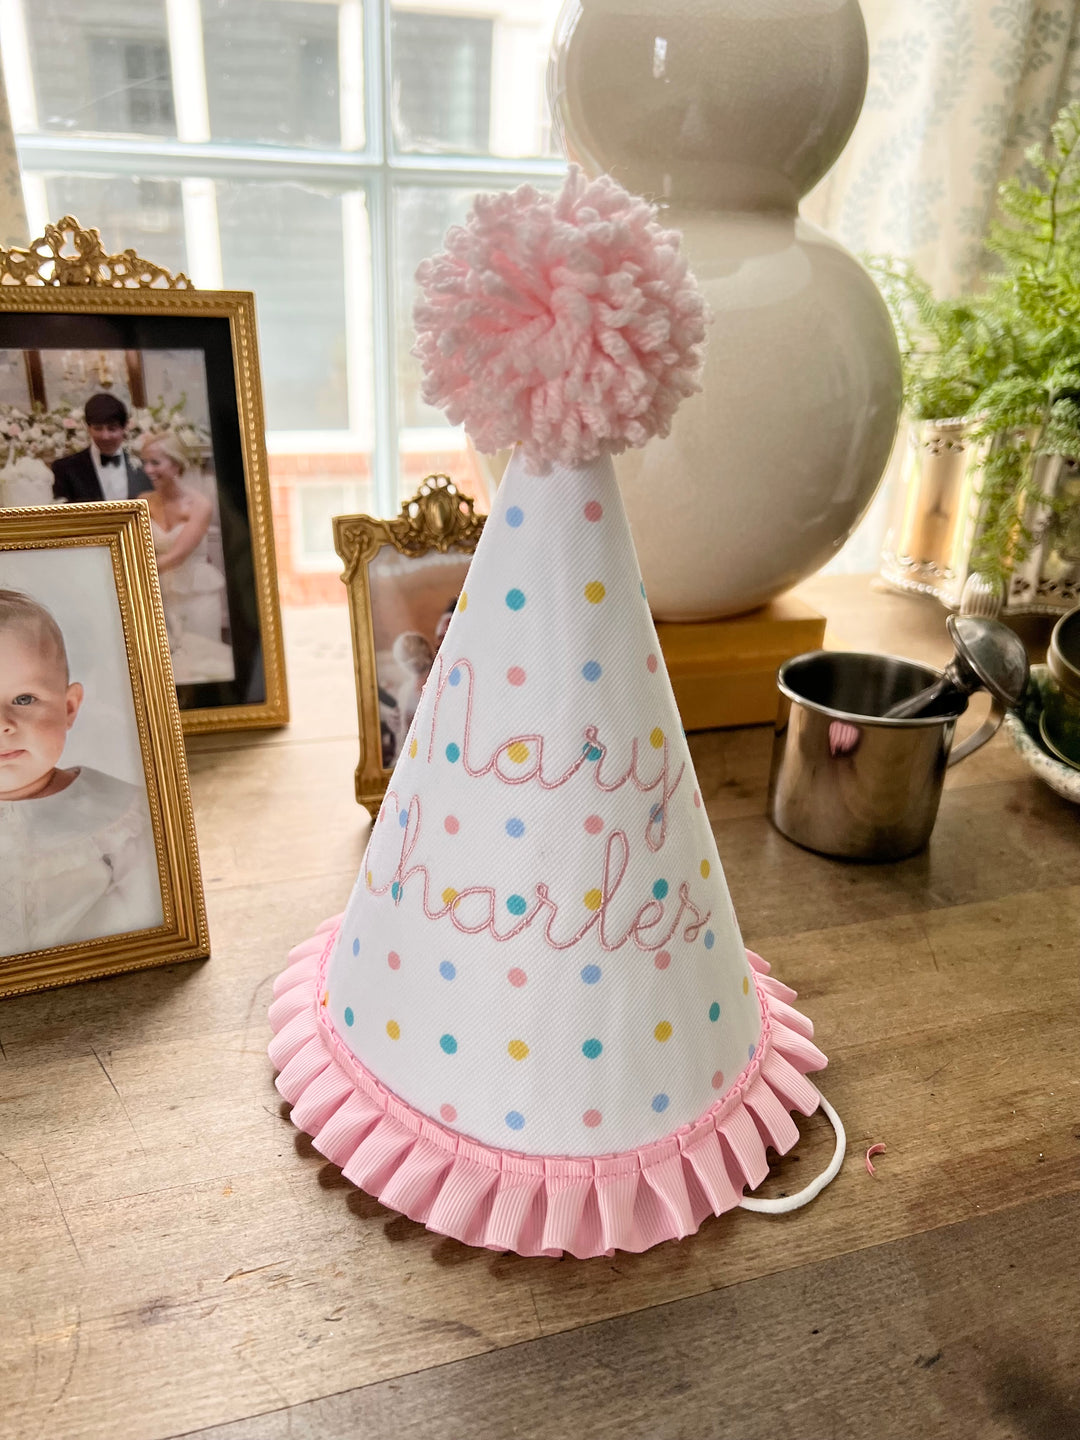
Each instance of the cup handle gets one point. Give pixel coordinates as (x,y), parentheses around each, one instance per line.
(986,731)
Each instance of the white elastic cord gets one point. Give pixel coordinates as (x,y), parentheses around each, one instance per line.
(804,1196)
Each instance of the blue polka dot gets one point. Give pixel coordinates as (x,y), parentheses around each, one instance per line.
(714,1011)
(591,974)
(591,1049)
(447,970)
(753,1048)
(591,670)
(515,599)
(660,1103)
(656,814)
(455,676)
(453,753)
(515,828)
(356,947)
(660,889)
(710,939)
(448,1044)
(515,1120)
(395,890)
(517,905)
(403,818)
(590,752)
(348,1016)
(514,516)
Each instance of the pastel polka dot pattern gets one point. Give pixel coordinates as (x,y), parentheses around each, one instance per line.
(660,1103)
(448,970)
(393,1029)
(515,675)
(518,752)
(591,670)
(395,891)
(451,825)
(455,676)
(710,939)
(517,978)
(515,599)
(453,753)
(660,890)
(592,1118)
(463,601)
(746,985)
(663,1031)
(714,1011)
(448,1044)
(514,516)
(515,828)
(595,592)
(594,511)
(349,1016)
(650,664)
(517,904)
(656,738)
(718,1080)
(591,1049)
(412,750)
(593,824)
(403,818)
(663,960)
(517,1050)
(705,867)
(593,899)
(515,1120)
(449,895)
(356,946)
(394,960)
(448,1113)
(591,974)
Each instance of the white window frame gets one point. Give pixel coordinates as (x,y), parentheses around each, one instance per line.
(370,169)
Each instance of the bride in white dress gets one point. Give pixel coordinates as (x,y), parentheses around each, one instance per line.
(192,588)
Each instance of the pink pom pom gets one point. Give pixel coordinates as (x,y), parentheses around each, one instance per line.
(568,322)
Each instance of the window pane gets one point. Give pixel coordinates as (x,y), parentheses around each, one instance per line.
(101,65)
(272,70)
(471,86)
(146,215)
(286,243)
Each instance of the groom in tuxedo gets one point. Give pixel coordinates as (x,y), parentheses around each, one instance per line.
(103,471)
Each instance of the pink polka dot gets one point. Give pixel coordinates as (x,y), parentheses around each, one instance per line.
(517,977)
(448,1113)
(718,1080)
(593,511)
(650,664)
(593,825)
(451,825)
(394,960)
(516,675)
(697,798)
(591,1118)
(663,960)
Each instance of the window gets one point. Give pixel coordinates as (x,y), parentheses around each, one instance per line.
(313,151)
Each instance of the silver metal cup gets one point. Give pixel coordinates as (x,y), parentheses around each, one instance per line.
(845,780)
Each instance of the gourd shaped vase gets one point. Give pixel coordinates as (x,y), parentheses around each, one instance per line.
(727,112)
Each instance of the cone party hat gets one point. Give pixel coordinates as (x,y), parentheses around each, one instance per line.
(536,1027)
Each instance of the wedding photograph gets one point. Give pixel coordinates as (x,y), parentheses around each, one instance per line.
(119,401)
(412,601)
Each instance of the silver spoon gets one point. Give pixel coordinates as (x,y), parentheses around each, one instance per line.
(989,656)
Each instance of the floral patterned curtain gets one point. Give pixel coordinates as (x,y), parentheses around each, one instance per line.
(958,90)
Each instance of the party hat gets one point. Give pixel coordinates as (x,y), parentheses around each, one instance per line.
(536,1027)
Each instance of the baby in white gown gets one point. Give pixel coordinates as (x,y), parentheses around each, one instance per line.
(77,857)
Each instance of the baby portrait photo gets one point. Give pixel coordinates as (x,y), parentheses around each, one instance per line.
(412,600)
(77,853)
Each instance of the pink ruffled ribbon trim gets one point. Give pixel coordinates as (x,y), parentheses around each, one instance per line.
(537,1205)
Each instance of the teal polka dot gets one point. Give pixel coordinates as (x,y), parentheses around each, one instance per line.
(515,828)
(515,1120)
(591,670)
(660,1103)
(453,753)
(395,891)
(348,1016)
(448,1045)
(710,939)
(447,970)
(514,516)
(591,1049)
(660,889)
(714,1011)
(356,946)
(517,905)
(591,752)
(515,599)
(591,974)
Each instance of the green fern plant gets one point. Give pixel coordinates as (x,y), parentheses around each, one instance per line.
(1007,357)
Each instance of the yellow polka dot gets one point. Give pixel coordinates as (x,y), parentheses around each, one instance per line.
(463,601)
(656,739)
(705,867)
(448,895)
(518,752)
(745,985)
(412,751)
(594,592)
(663,1031)
(517,1049)
(369,879)
(393,1029)
(593,899)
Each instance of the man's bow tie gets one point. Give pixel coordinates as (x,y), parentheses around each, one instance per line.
(110,459)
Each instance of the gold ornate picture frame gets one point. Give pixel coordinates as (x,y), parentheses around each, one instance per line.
(76,320)
(403,578)
(99,865)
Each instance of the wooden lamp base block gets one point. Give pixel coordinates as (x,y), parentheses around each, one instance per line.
(723,672)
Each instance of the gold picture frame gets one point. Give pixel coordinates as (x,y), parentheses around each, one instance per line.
(74,562)
(66,290)
(438,521)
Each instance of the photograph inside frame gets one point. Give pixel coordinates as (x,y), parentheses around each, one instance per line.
(78,859)
(99,407)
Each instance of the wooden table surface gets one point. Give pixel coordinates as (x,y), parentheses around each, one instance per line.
(176,1259)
